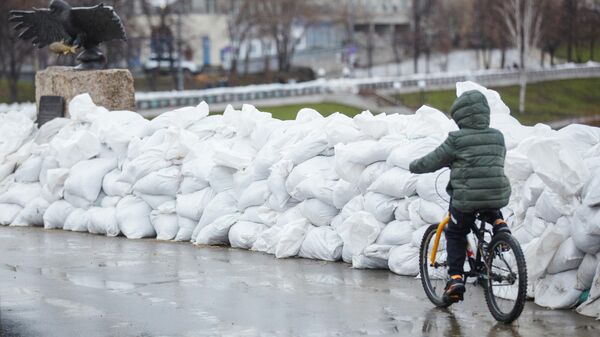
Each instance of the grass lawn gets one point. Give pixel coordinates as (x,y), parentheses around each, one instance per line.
(26,91)
(584,53)
(286,112)
(545,102)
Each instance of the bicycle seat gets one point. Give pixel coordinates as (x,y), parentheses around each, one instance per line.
(488,215)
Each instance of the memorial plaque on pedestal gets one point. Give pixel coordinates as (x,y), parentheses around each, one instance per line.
(50,107)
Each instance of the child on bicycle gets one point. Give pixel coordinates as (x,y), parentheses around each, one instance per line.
(475,154)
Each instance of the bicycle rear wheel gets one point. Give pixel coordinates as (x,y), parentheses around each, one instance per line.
(434,278)
(506,278)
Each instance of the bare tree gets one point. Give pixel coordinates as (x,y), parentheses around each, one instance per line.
(420,10)
(523,20)
(550,31)
(240,25)
(286,21)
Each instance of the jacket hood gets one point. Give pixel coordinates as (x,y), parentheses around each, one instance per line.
(471,111)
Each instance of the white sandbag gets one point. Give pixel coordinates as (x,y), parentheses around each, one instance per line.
(517,165)
(181,118)
(155,200)
(133,216)
(21,194)
(367,152)
(586,272)
(290,215)
(315,188)
(85,178)
(589,219)
(290,239)
(404,260)
(321,243)
(551,206)
(6,169)
(117,128)
(56,214)
(255,195)
(267,240)
(374,126)
(417,236)
(165,221)
(431,212)
(192,205)
(531,191)
(591,307)
(359,231)
(586,242)
(232,159)
(395,182)
(77,201)
(112,186)
(103,221)
(222,204)
(561,168)
(401,212)
(319,166)
(77,221)
(567,257)
(243,234)
(32,214)
(71,146)
(558,291)
(370,174)
(109,201)
(8,212)
(591,191)
(277,184)
(373,257)
(29,171)
(403,155)
(540,252)
(190,185)
(162,182)
(143,165)
(381,206)
(217,233)
(53,189)
(308,147)
(534,225)
(317,212)
(432,187)
(186,228)
(260,214)
(343,192)
(395,233)
(346,169)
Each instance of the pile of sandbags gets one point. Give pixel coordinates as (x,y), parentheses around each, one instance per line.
(329,188)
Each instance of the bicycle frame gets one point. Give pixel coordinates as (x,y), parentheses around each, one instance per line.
(438,235)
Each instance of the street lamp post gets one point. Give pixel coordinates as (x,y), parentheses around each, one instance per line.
(180,85)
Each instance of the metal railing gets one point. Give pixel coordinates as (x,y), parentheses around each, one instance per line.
(407,83)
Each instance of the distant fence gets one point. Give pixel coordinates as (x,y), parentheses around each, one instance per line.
(407,83)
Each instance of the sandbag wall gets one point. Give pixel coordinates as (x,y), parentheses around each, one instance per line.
(329,188)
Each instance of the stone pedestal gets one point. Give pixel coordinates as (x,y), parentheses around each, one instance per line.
(111,88)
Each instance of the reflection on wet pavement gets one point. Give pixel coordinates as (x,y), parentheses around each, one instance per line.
(57,284)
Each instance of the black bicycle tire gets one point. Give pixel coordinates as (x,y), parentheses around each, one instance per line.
(423,261)
(522,274)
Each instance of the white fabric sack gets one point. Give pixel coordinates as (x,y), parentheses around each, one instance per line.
(222,204)
(403,155)
(319,166)
(109,201)
(260,214)
(431,212)
(255,195)
(551,206)
(586,272)
(111,185)
(165,221)
(538,254)
(343,192)
(586,242)
(317,212)
(290,215)
(381,206)
(277,184)
(359,231)
(531,191)
(395,182)
(401,212)
(517,165)
(133,216)
(290,239)
(32,214)
(71,146)
(77,221)
(395,233)
(417,236)
(21,194)
(192,205)
(370,174)
(373,257)
(56,214)
(85,178)
(54,187)
(591,191)
(29,171)
(143,165)
(6,169)
(243,234)
(404,260)
(190,185)
(217,233)
(588,219)
(414,215)
(186,228)
(432,187)
(558,291)
(103,221)
(346,169)
(182,118)
(591,307)
(315,188)
(8,212)
(534,225)
(567,257)
(367,152)
(374,126)
(232,159)
(162,182)
(155,200)
(321,243)
(308,147)
(267,240)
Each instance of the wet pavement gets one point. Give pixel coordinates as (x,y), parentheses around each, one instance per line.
(61,284)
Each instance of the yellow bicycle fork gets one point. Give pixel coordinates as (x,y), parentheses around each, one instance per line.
(438,235)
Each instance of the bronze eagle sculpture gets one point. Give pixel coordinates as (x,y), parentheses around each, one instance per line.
(85,27)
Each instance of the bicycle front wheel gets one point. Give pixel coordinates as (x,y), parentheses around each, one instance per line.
(434,277)
(506,278)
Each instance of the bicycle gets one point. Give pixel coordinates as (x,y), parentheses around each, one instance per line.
(498,264)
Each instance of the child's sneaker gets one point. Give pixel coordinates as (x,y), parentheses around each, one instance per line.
(455,289)
(501,227)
